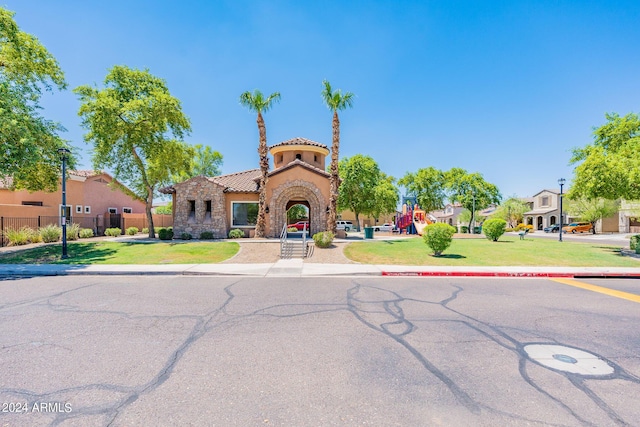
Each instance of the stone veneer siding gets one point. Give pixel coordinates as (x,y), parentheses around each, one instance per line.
(296,190)
(200,190)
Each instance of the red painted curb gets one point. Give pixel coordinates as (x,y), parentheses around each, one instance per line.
(500,274)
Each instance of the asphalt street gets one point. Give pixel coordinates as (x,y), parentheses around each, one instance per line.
(227,351)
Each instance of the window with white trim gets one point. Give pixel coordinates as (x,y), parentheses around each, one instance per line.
(244,214)
(87,209)
(112,210)
(79,209)
(127,210)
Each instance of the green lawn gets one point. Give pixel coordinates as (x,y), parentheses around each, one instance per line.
(508,251)
(160,252)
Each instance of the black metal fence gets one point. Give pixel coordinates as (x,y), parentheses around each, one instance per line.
(35,223)
(97,223)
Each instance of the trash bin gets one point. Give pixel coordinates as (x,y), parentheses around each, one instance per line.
(368,232)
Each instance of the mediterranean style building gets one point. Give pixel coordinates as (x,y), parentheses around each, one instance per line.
(221,203)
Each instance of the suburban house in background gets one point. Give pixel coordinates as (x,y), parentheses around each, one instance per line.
(545,211)
(629,217)
(221,203)
(91,203)
(448,215)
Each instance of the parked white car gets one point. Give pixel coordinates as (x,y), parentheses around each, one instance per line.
(344,225)
(387,226)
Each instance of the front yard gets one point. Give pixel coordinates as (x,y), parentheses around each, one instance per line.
(508,251)
(100,252)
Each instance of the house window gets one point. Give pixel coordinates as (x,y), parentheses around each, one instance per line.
(25,203)
(207,211)
(112,210)
(244,214)
(127,210)
(192,211)
(298,156)
(315,158)
(544,201)
(79,209)
(87,209)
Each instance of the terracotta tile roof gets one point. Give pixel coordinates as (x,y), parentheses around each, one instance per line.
(298,162)
(7,181)
(239,182)
(300,141)
(85,173)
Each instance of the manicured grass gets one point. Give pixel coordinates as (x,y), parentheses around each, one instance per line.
(508,251)
(126,253)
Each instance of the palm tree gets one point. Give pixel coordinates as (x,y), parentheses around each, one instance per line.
(335,100)
(257,102)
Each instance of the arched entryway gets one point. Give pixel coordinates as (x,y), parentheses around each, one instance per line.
(539,222)
(298,211)
(297,192)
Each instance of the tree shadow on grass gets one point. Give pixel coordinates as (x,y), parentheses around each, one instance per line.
(450,256)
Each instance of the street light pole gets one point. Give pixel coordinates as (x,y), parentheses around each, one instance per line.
(473,213)
(64,154)
(561,181)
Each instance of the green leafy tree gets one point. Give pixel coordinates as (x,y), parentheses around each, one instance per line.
(336,101)
(136,128)
(438,237)
(360,175)
(165,210)
(493,228)
(28,141)
(297,213)
(609,168)
(205,162)
(428,186)
(258,103)
(512,211)
(591,210)
(385,196)
(470,190)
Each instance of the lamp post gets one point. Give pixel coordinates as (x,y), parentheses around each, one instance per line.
(561,181)
(64,155)
(473,213)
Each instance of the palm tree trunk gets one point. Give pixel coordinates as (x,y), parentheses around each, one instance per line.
(264,169)
(334,179)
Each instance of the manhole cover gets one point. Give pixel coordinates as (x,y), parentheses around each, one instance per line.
(568,359)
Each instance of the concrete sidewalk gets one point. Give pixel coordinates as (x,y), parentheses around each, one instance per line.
(298,268)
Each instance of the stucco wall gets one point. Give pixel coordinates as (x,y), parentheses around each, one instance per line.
(98,196)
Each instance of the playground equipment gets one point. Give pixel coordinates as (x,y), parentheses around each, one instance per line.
(412,219)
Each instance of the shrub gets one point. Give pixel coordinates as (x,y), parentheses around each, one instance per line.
(19,236)
(132,231)
(113,232)
(323,239)
(165,233)
(206,235)
(634,243)
(185,236)
(73,231)
(50,233)
(34,236)
(438,237)
(85,233)
(145,230)
(493,228)
(236,233)
(292,230)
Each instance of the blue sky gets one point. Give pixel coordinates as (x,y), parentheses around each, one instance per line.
(504,88)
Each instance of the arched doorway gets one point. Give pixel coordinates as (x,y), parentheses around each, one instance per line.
(539,221)
(552,220)
(289,194)
(298,211)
